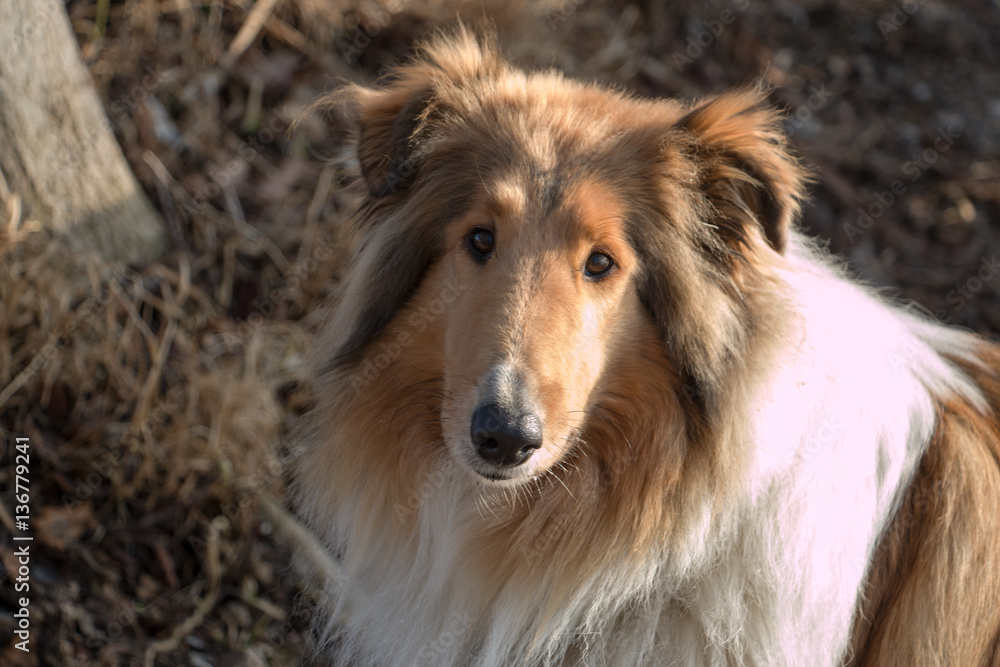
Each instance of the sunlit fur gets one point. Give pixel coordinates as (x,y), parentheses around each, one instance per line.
(748,459)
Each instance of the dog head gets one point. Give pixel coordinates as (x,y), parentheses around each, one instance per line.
(571,224)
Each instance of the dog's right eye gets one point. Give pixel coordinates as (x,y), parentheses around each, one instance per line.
(481,243)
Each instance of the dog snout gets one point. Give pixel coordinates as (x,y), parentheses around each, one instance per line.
(502,438)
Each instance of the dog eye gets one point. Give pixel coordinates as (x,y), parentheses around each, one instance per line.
(598,264)
(481,242)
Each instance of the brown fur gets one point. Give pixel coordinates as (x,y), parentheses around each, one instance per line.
(933,591)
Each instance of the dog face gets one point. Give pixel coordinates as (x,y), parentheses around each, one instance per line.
(547,272)
(573,221)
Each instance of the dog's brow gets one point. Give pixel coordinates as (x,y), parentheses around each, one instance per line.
(549,186)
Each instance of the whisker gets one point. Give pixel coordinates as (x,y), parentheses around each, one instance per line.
(558,478)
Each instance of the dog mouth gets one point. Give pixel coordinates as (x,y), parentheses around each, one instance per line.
(493,475)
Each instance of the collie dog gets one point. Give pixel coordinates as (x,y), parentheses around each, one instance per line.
(587,397)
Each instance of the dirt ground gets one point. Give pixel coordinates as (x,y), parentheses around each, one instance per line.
(155,400)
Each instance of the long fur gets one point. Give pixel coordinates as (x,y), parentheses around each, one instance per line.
(749,459)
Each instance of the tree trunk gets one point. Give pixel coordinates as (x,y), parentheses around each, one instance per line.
(57,150)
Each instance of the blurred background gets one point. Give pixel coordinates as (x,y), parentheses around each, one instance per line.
(156,399)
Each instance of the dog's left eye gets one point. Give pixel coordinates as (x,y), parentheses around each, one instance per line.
(481,242)
(598,264)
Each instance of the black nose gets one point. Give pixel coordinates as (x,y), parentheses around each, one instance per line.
(502,438)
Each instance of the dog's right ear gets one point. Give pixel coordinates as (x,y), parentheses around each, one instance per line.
(377,130)
(390,123)
(388,128)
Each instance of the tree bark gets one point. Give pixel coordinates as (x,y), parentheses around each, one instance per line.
(57,149)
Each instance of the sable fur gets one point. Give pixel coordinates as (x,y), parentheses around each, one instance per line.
(732,437)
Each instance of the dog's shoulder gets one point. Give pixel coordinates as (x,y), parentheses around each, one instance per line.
(934,582)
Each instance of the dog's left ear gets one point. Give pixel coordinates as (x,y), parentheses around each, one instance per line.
(729,153)
(746,172)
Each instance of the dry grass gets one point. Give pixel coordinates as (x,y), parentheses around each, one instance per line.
(155,421)
(156,399)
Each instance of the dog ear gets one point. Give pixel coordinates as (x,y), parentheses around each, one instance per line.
(390,123)
(746,172)
(731,192)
